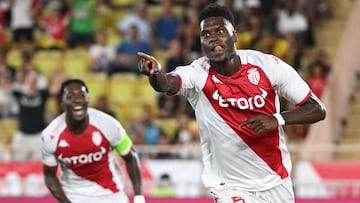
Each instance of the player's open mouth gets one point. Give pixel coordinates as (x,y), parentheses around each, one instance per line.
(78,110)
(217,49)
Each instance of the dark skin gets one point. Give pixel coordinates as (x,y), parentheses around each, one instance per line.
(217,42)
(76,97)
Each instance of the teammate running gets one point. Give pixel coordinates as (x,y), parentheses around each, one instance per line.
(81,141)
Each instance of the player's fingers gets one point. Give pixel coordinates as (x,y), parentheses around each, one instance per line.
(146,56)
(246,122)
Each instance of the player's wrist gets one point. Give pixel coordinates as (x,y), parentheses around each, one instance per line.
(139,199)
(280,119)
(157,70)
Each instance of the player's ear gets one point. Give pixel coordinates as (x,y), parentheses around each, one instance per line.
(234,36)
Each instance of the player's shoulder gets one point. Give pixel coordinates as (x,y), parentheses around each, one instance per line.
(258,58)
(99,116)
(201,63)
(55,127)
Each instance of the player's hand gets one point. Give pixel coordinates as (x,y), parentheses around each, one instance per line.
(139,199)
(148,65)
(261,124)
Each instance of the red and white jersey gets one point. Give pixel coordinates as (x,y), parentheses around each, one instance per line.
(88,164)
(233,155)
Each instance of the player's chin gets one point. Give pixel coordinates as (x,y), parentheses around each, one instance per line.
(216,57)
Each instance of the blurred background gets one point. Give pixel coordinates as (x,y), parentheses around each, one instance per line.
(43,42)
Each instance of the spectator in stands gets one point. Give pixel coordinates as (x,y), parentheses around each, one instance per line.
(291,21)
(82,23)
(166,25)
(101,53)
(164,188)
(322,57)
(176,57)
(4,6)
(275,44)
(317,78)
(189,34)
(54,25)
(26,66)
(151,131)
(102,104)
(24,15)
(139,17)
(184,136)
(8,107)
(126,59)
(168,105)
(253,36)
(31,117)
(145,130)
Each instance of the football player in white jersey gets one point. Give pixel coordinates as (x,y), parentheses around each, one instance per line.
(82,142)
(235,97)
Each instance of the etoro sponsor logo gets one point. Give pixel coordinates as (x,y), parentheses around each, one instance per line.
(257,101)
(83,158)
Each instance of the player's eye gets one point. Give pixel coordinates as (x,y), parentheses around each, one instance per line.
(205,34)
(221,31)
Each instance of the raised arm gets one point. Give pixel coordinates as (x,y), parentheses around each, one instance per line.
(53,184)
(159,80)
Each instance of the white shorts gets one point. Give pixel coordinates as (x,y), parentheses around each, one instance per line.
(282,193)
(119,197)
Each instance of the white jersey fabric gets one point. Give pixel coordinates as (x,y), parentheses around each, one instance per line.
(89,167)
(235,156)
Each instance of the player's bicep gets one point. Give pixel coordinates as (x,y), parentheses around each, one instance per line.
(174,82)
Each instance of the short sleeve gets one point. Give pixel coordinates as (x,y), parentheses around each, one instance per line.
(48,157)
(287,82)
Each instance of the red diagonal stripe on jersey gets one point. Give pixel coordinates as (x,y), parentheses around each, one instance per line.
(96,171)
(266,145)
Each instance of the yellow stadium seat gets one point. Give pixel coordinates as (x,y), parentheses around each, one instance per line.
(46,61)
(76,62)
(146,94)
(125,112)
(13,58)
(122,3)
(123,87)
(97,85)
(9,126)
(169,125)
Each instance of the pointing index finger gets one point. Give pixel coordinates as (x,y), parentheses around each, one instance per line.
(145,56)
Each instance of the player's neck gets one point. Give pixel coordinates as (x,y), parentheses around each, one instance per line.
(227,67)
(77,127)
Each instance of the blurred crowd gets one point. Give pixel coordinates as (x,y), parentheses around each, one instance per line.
(110,33)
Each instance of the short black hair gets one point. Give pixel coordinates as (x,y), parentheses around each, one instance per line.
(216,10)
(69,82)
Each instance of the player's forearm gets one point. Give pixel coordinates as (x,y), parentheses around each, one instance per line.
(310,112)
(133,169)
(56,190)
(159,81)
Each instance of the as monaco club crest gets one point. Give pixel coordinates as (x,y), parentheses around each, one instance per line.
(96,138)
(253,76)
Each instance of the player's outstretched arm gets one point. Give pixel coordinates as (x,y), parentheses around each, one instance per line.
(53,184)
(133,169)
(159,80)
